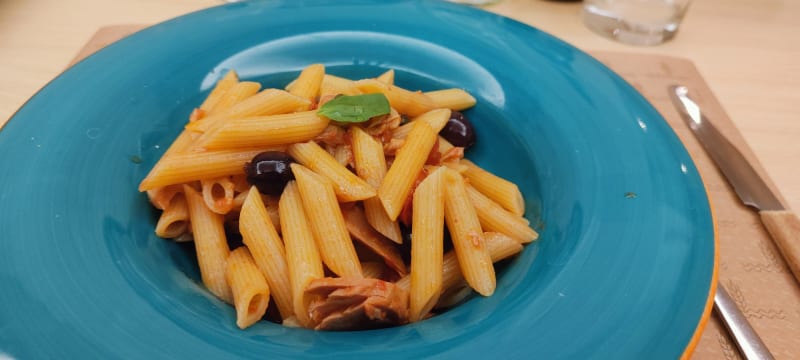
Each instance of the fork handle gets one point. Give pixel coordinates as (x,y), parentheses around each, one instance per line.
(746,339)
(784,227)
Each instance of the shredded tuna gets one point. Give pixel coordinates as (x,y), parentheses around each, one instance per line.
(356,304)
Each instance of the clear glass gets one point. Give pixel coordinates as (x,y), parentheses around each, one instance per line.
(636,22)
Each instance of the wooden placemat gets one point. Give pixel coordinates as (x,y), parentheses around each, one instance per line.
(750,266)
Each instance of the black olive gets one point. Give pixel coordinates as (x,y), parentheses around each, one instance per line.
(458,130)
(269,171)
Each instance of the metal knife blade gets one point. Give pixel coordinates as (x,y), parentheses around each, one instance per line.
(748,185)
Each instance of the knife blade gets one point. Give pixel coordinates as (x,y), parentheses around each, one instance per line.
(781,223)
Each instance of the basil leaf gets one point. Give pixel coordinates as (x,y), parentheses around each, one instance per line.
(356,108)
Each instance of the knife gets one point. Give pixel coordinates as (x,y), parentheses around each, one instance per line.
(781,223)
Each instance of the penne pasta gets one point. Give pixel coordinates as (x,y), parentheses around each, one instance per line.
(307,85)
(302,256)
(467,236)
(233,96)
(409,161)
(210,244)
(500,247)
(223,85)
(267,102)
(174,220)
(454,99)
(348,186)
(406,102)
(161,197)
(494,218)
(239,199)
(264,131)
(188,167)
(436,122)
(502,191)
(218,194)
(426,245)
(327,223)
(334,85)
(262,239)
(370,165)
(387,77)
(248,286)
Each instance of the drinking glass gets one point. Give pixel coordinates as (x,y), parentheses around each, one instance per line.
(636,22)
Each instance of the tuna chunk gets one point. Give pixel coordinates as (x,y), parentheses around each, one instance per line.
(356,304)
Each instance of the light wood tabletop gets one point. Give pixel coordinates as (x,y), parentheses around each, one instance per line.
(747,51)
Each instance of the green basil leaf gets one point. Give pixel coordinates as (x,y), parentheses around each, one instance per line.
(356,108)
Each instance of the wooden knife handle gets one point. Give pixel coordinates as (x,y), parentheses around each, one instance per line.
(784,227)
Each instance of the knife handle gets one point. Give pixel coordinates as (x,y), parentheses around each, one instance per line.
(784,227)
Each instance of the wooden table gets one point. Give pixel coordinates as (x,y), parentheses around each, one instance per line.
(746,50)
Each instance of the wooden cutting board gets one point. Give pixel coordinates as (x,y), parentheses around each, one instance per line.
(750,266)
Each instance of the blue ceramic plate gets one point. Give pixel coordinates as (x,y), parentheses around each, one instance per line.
(623,268)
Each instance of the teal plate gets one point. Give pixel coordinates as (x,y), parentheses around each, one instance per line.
(623,268)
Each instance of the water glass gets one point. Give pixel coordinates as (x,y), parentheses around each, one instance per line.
(636,22)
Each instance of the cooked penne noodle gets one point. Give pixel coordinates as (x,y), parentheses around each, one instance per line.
(502,191)
(262,239)
(426,245)
(233,96)
(162,196)
(267,102)
(500,247)
(210,244)
(249,288)
(454,99)
(183,142)
(494,218)
(327,222)
(239,199)
(444,145)
(223,85)
(406,102)
(302,256)
(387,77)
(467,236)
(188,167)
(408,162)
(218,194)
(370,164)
(174,220)
(308,83)
(264,131)
(436,122)
(348,186)
(334,85)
